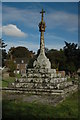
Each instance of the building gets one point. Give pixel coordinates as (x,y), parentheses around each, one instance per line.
(21,65)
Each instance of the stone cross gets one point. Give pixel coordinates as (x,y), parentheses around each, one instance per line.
(42,12)
(42,30)
(42,61)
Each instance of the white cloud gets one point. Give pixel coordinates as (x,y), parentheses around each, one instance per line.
(72,29)
(0,31)
(54,37)
(57,40)
(63,20)
(40,0)
(58,46)
(56,43)
(26,44)
(31,17)
(0,19)
(12,30)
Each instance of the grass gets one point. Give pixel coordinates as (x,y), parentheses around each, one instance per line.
(7,80)
(13,110)
(70,79)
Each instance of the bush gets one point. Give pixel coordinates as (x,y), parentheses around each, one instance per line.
(11,74)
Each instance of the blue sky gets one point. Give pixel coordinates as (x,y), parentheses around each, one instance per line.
(40,0)
(0,19)
(20,24)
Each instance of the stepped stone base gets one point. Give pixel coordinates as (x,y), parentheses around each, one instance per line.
(64,92)
(41,79)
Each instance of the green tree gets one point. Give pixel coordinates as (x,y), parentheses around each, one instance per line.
(19,52)
(11,53)
(30,64)
(71,52)
(12,66)
(57,59)
(3,53)
(46,51)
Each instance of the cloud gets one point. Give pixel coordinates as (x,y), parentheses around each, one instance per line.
(29,45)
(12,30)
(54,37)
(0,13)
(73,29)
(31,17)
(52,41)
(32,46)
(0,31)
(40,0)
(62,20)
(0,19)
(57,40)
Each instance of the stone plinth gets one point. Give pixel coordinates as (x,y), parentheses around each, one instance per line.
(41,79)
(42,62)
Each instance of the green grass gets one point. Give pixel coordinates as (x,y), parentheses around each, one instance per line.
(18,75)
(31,111)
(70,79)
(7,80)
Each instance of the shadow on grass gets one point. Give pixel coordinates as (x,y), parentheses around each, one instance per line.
(18,110)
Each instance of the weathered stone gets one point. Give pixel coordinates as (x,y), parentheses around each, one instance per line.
(41,78)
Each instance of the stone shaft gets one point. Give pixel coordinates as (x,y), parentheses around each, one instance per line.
(42,48)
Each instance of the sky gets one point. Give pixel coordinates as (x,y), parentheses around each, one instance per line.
(0,19)
(20,22)
(40,0)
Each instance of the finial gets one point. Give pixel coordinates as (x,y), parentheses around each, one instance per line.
(42,12)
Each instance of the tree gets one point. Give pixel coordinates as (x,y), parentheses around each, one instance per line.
(12,66)
(71,52)
(2,44)
(57,59)
(46,51)
(30,64)
(3,53)
(11,53)
(19,52)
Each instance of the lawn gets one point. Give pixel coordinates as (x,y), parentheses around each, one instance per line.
(18,110)
(7,80)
